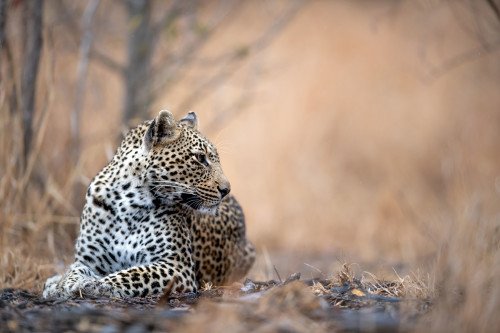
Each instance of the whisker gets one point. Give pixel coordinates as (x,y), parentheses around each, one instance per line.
(168,182)
(224,146)
(180,191)
(173,186)
(194,202)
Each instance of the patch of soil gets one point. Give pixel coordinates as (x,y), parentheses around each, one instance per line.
(293,305)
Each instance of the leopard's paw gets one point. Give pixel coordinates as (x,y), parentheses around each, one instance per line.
(94,288)
(50,289)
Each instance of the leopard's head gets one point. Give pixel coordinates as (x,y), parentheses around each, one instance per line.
(182,166)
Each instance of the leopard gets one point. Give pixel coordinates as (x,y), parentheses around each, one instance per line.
(158,218)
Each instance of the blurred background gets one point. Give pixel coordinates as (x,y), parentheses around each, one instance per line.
(360,131)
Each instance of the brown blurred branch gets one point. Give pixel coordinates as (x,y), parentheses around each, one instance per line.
(5,47)
(3,21)
(473,25)
(96,54)
(140,49)
(235,60)
(247,93)
(173,64)
(176,9)
(494,8)
(33,16)
(107,61)
(487,45)
(184,57)
(83,62)
(451,63)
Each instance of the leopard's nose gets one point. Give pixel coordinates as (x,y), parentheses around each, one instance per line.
(223,191)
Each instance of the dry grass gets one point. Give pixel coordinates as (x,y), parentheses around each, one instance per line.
(466,272)
(35,223)
(409,287)
(359,145)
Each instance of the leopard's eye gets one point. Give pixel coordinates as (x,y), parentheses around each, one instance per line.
(201,158)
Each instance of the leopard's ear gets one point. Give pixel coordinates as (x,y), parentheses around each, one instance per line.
(163,129)
(190,121)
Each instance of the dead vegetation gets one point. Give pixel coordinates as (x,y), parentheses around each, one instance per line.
(292,305)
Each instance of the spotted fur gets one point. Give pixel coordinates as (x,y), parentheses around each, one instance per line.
(158,215)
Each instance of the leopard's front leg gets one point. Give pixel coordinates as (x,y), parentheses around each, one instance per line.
(79,278)
(151,279)
(141,281)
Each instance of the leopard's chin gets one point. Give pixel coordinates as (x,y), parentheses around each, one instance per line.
(212,210)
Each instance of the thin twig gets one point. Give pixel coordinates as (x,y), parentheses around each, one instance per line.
(96,54)
(179,62)
(235,61)
(278,274)
(458,60)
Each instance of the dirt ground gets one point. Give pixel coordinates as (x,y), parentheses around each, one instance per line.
(292,305)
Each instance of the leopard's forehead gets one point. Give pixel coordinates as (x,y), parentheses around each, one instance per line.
(188,135)
(190,141)
(196,140)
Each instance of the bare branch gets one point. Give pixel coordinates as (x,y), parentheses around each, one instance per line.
(5,47)
(107,61)
(179,62)
(235,60)
(487,45)
(472,17)
(247,92)
(170,15)
(494,8)
(33,12)
(83,62)
(140,50)
(3,21)
(435,72)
